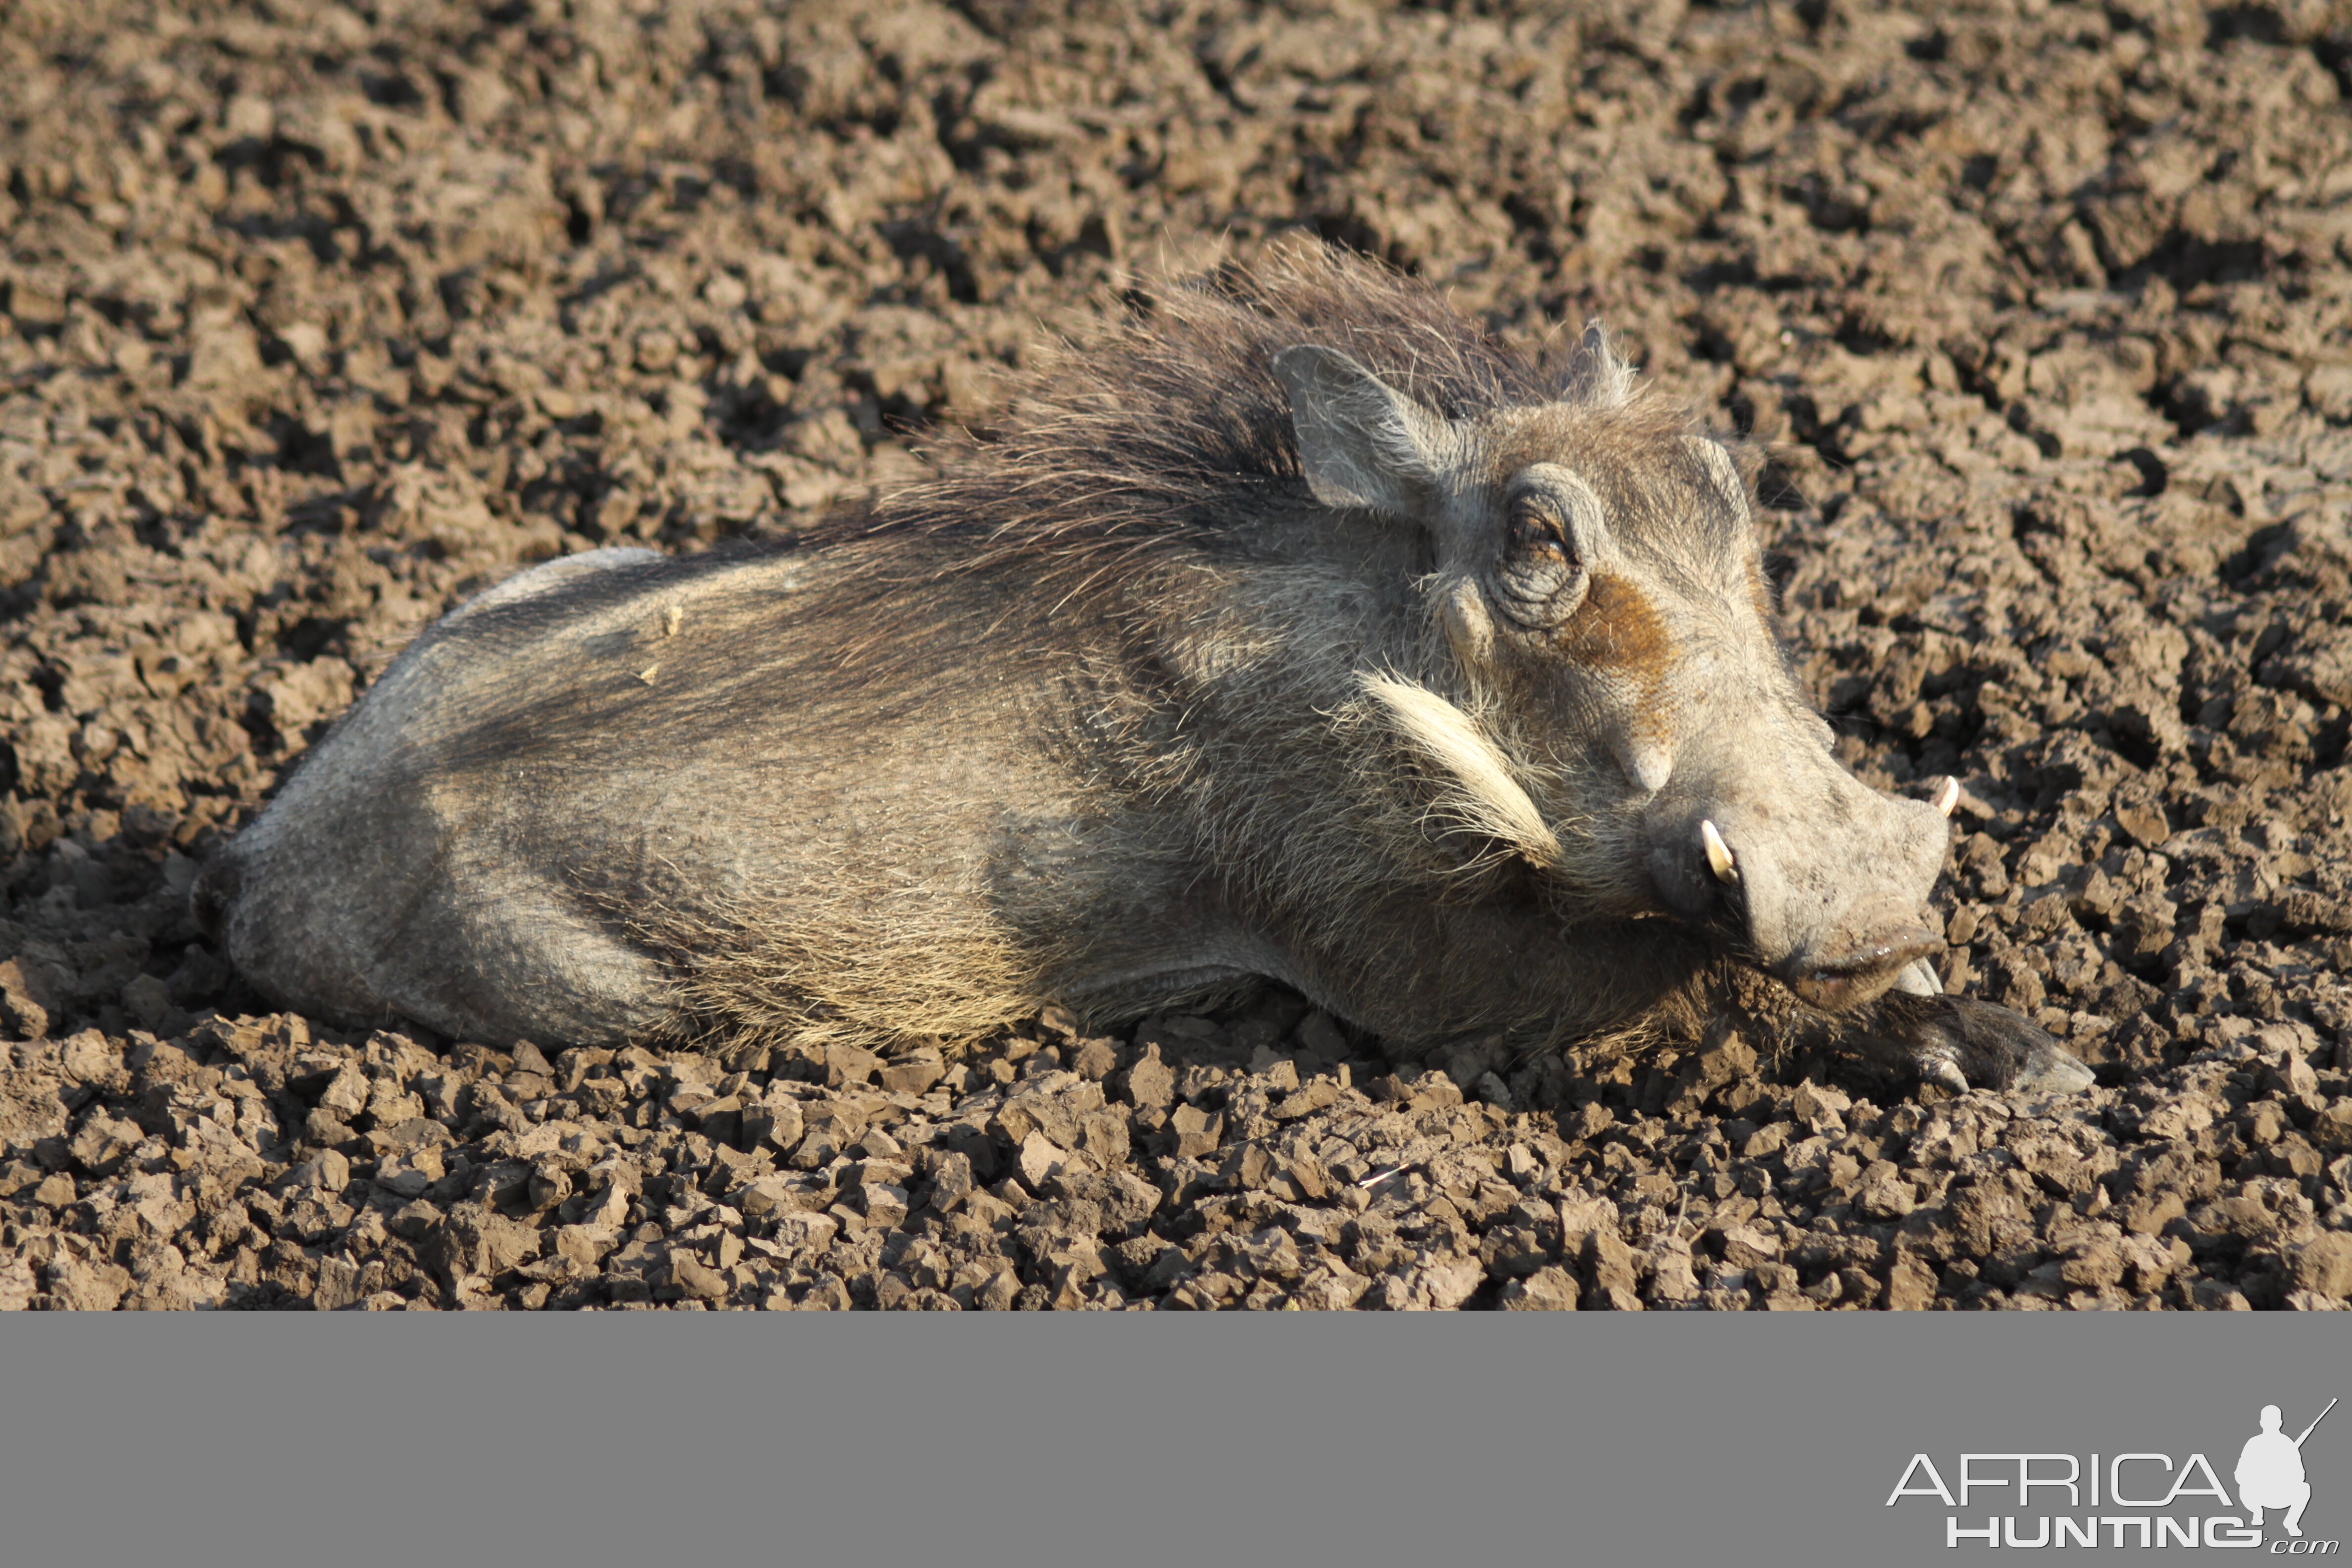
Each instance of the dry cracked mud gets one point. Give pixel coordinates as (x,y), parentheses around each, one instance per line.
(316,317)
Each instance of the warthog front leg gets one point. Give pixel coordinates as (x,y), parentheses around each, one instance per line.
(1961,1043)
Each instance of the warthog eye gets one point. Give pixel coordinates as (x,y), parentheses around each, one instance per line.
(1541,581)
(1533,529)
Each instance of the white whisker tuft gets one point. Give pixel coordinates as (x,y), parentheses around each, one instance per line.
(1492,801)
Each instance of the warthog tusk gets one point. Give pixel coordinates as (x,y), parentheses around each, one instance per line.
(1718,855)
(1949,796)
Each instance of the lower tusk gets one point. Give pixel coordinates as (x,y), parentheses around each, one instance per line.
(1718,855)
(1949,796)
(1919,979)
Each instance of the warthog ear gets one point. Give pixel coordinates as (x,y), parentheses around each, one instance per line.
(1715,460)
(1362,442)
(1597,375)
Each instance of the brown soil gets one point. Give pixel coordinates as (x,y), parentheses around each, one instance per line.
(318,319)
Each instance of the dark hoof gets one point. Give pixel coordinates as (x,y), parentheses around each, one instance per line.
(2054,1070)
(1960,1044)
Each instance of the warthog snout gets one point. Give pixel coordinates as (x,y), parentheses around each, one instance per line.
(1816,879)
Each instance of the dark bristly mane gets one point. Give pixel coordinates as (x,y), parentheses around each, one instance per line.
(1175,425)
(1164,440)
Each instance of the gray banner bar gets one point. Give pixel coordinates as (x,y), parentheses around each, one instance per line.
(1528,1439)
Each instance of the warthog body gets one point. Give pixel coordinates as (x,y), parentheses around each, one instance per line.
(1300,632)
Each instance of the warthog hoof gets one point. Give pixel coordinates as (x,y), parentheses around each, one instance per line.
(1960,1043)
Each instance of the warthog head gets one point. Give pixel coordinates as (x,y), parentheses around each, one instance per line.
(1637,730)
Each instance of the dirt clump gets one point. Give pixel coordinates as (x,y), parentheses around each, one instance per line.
(314,319)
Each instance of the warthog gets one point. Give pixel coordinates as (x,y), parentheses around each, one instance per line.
(1301,631)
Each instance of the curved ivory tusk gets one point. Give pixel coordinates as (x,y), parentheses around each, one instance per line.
(1945,1071)
(1718,855)
(1949,796)
(1919,979)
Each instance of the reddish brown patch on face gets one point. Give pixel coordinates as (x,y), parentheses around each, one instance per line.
(1615,629)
